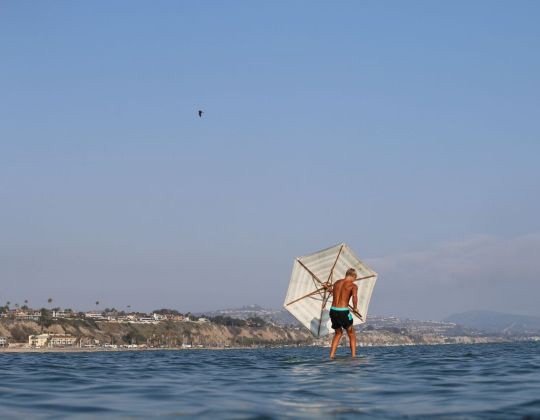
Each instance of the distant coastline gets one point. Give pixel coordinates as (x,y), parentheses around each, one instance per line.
(28,330)
(32,350)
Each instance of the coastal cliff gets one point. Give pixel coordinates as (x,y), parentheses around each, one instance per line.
(166,333)
(89,333)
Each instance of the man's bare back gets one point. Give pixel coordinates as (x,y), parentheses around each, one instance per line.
(343,290)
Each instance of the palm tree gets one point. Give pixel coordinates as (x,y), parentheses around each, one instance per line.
(49,301)
(7,304)
(44,317)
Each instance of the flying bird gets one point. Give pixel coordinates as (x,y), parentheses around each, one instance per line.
(200,113)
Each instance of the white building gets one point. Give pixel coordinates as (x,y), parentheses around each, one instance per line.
(51,340)
(39,340)
(62,314)
(28,316)
(61,340)
(146,320)
(158,317)
(96,316)
(3,342)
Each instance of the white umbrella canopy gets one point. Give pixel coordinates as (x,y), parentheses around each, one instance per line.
(308,299)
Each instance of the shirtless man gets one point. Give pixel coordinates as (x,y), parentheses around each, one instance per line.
(342,291)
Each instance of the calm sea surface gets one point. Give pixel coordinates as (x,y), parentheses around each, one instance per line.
(485,381)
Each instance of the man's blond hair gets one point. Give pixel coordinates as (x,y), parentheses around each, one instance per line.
(351,272)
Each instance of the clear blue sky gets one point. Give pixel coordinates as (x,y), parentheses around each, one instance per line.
(408,130)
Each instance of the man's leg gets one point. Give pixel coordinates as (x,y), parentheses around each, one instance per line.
(352,340)
(335,342)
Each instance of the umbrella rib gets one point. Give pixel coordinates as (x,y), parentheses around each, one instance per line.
(315,284)
(305,296)
(309,271)
(335,262)
(366,277)
(313,276)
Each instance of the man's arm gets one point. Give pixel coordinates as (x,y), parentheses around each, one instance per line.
(355,297)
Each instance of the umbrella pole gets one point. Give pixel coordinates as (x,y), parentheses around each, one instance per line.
(324,302)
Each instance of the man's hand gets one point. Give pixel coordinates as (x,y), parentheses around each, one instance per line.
(355,311)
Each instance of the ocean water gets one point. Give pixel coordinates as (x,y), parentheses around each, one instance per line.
(454,381)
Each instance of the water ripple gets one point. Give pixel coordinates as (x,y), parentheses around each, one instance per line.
(482,381)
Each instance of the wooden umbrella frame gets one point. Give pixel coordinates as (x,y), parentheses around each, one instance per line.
(325,289)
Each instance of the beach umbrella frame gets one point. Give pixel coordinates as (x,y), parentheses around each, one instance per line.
(312,278)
